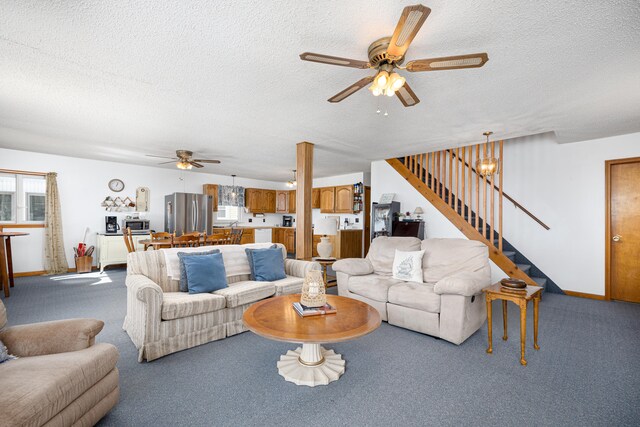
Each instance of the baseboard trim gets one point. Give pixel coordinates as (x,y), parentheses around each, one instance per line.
(585,295)
(43,272)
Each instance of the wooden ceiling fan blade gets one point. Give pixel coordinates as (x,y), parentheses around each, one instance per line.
(196,164)
(166,163)
(474,60)
(407,96)
(351,89)
(160,157)
(408,26)
(334,60)
(206,161)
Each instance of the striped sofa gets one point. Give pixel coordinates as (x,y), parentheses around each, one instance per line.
(161,320)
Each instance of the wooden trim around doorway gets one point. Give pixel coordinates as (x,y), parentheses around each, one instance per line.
(607,218)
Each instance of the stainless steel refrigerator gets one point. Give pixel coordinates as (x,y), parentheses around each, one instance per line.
(187,212)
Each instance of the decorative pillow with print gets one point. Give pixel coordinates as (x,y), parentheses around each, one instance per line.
(407,266)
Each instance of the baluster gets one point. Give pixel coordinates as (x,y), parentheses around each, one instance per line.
(464,190)
(492,227)
(438,174)
(450,152)
(484,196)
(470,207)
(406,161)
(443,181)
(456,183)
(477,190)
(432,160)
(500,198)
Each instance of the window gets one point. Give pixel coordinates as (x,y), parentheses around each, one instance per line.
(228,213)
(22,198)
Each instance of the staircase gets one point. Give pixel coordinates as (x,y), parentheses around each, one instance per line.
(472,202)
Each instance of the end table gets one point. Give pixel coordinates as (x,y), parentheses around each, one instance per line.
(520,298)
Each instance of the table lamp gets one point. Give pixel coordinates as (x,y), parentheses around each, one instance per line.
(417,212)
(325,227)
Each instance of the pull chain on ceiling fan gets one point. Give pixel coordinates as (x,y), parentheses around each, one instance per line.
(388,53)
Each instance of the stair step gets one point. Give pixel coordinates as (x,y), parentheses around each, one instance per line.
(540,281)
(510,254)
(524,267)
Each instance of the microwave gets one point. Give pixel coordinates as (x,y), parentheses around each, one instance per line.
(137,226)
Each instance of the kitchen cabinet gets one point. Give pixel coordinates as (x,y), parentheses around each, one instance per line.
(286,236)
(315,198)
(248,236)
(260,201)
(211,190)
(343,199)
(282,201)
(327,200)
(112,250)
(292,201)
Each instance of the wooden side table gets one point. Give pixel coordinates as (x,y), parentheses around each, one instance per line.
(520,298)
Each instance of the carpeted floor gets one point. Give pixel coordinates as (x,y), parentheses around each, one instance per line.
(587,371)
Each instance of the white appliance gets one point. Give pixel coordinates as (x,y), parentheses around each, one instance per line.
(263,235)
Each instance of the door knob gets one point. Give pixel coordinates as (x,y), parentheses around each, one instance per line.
(617,238)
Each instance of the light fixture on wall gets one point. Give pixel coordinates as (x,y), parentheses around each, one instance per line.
(184,165)
(487,166)
(293,182)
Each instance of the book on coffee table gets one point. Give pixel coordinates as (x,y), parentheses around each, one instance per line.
(305,311)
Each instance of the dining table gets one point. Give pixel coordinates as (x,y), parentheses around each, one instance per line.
(6,263)
(168,243)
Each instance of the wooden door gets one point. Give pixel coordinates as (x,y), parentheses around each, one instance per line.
(315,198)
(282,201)
(344,199)
(252,199)
(327,200)
(292,201)
(367,220)
(290,240)
(623,229)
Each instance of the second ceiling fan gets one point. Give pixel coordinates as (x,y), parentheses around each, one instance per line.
(387,54)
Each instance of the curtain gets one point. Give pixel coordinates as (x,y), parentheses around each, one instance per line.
(55,260)
(230,195)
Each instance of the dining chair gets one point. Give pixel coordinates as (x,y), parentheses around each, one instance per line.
(187,241)
(216,239)
(161,236)
(235,236)
(128,240)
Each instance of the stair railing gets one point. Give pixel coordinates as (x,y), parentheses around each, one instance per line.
(451,176)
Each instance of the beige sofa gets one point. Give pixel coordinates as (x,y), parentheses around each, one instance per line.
(161,320)
(60,378)
(448,305)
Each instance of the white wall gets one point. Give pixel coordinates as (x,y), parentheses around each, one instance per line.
(562,184)
(82,185)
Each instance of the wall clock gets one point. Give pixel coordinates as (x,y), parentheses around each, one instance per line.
(116,185)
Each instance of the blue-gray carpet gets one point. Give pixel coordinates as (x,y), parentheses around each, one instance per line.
(587,371)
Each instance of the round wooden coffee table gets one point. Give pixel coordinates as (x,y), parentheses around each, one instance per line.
(311,365)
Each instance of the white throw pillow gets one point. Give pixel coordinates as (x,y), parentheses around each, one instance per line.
(407,266)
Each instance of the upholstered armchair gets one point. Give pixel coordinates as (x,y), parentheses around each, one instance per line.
(60,377)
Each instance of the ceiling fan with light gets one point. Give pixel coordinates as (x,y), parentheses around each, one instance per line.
(388,53)
(184,160)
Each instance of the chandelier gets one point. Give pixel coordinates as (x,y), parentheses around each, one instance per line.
(487,166)
(293,182)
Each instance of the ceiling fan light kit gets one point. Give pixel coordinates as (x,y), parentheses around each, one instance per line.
(388,53)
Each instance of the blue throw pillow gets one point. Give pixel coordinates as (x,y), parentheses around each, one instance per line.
(250,252)
(268,265)
(184,285)
(205,273)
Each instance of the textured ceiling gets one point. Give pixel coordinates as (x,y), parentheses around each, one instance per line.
(119,79)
